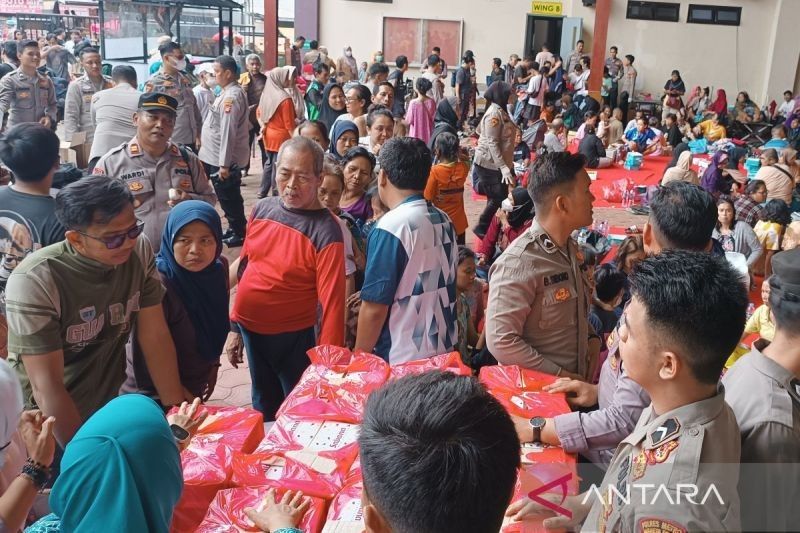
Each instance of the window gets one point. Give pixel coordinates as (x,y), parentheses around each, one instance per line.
(663,11)
(722,15)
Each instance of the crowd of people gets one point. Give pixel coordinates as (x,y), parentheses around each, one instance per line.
(119,301)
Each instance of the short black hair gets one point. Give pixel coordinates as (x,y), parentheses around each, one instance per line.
(10,50)
(407,162)
(168,48)
(608,282)
(299,38)
(587,61)
(321,67)
(535,66)
(30,151)
(436,49)
(378,111)
(497,61)
(787,92)
(753,186)
(784,305)
(321,127)
(696,303)
(776,211)
(579,41)
(551,172)
(124,73)
(447,146)
(88,50)
(314,44)
(27,43)
(377,87)
(630,58)
(356,152)
(683,216)
(464,253)
(423,85)
(438,453)
(433,60)
(227,63)
(614,48)
(401,61)
(377,68)
(91,200)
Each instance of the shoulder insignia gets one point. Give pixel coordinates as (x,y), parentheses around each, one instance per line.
(134,149)
(659,525)
(660,454)
(135,186)
(228,105)
(579,256)
(494,122)
(98,171)
(666,431)
(639,465)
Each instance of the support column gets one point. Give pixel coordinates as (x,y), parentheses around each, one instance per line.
(271,34)
(602,12)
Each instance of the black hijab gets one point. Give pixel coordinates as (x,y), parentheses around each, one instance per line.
(676,154)
(328,115)
(523,207)
(498,93)
(445,120)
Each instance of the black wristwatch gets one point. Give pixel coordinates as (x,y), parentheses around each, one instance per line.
(537,425)
(180,434)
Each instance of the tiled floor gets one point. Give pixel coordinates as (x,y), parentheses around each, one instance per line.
(233,385)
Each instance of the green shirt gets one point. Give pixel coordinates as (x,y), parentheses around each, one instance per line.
(58,299)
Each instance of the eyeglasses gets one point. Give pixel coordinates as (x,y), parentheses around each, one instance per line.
(352,99)
(115,241)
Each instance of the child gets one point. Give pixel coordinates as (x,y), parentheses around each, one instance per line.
(467,332)
(313,95)
(769,230)
(609,287)
(605,88)
(316,131)
(378,210)
(686,315)
(522,154)
(445,188)
(421,111)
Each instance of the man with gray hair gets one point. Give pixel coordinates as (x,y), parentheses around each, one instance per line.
(292,261)
(552,139)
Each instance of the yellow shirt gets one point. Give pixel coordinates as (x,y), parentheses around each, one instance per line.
(711,132)
(760,323)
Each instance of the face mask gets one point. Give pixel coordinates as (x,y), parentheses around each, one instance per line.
(507,206)
(349,53)
(211,81)
(179,64)
(379,59)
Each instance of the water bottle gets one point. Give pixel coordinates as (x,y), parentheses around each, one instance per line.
(751,308)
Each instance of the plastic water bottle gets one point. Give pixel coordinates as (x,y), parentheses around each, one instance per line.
(751,308)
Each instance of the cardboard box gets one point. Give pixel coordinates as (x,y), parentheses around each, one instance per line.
(76,151)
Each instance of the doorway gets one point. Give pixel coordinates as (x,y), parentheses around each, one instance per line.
(540,31)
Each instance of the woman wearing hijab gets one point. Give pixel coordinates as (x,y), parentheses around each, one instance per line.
(745,110)
(515,216)
(445,120)
(121,471)
(674,89)
(715,178)
(343,137)
(682,171)
(333,105)
(493,167)
(347,67)
(278,116)
(195,304)
(19,487)
(719,105)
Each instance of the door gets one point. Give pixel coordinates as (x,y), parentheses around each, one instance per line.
(542,31)
(570,34)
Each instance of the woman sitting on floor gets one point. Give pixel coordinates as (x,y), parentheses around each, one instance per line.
(593,150)
(514,217)
(682,171)
(735,235)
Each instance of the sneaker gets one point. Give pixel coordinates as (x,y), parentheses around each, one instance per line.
(228,234)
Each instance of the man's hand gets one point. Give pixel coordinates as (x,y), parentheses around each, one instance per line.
(525,508)
(177,196)
(579,393)
(276,515)
(234,349)
(46,122)
(37,434)
(224,172)
(523,427)
(186,417)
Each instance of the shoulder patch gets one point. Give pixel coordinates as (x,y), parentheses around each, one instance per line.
(99,171)
(134,149)
(660,454)
(666,431)
(494,122)
(659,525)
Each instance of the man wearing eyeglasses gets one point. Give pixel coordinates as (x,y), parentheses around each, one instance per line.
(70,307)
(158,172)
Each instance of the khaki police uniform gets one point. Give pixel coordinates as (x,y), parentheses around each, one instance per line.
(27,98)
(150,179)
(695,446)
(538,305)
(224,144)
(78,105)
(188,122)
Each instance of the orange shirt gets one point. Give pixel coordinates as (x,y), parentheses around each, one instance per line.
(279,128)
(445,189)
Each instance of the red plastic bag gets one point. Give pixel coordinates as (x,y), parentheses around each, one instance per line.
(226,513)
(206,470)
(335,385)
(327,439)
(346,512)
(562,480)
(520,391)
(614,192)
(450,362)
(240,428)
(322,478)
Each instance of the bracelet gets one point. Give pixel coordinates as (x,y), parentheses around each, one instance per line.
(36,472)
(288,530)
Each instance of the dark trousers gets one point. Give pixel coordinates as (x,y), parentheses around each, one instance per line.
(229,194)
(463,106)
(268,176)
(276,363)
(623,104)
(491,185)
(613,95)
(252,137)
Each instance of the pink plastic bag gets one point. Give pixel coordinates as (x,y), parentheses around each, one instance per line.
(346,512)
(450,362)
(206,470)
(613,193)
(520,391)
(240,428)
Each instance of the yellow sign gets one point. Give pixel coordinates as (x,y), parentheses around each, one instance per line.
(547,8)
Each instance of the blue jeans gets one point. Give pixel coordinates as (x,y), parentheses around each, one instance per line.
(276,363)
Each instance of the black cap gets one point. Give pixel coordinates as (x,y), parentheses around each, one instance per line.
(786,265)
(158,102)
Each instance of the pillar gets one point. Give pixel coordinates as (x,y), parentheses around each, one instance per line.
(271,34)
(602,12)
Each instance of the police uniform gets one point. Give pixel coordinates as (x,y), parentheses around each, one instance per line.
(693,447)
(27,98)
(189,122)
(538,305)
(765,397)
(225,144)
(78,105)
(150,179)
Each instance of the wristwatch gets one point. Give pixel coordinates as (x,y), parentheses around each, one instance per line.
(180,434)
(537,425)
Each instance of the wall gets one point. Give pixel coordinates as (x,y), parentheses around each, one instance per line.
(760,55)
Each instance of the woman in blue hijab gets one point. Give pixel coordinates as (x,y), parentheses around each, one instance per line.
(344,136)
(195,275)
(121,472)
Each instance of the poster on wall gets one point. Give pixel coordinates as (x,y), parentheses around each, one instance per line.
(414,39)
(20,6)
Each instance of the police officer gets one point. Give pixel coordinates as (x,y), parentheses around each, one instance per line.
(159,173)
(224,149)
(538,294)
(78,103)
(25,94)
(170,80)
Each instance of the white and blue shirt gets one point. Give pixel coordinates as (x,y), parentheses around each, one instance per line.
(412,260)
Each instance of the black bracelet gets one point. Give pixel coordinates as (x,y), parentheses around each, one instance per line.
(37,473)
